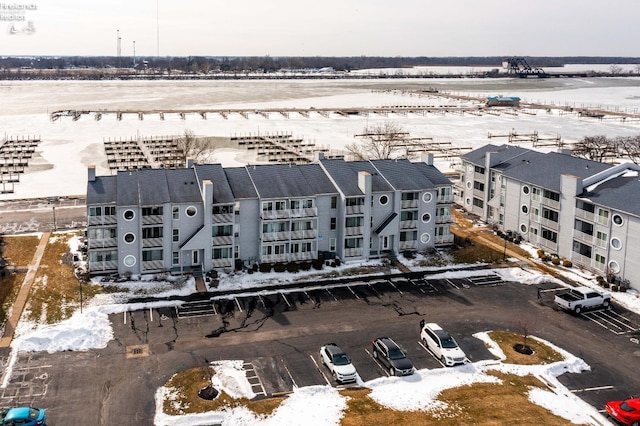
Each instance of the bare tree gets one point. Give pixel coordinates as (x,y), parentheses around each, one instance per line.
(629,147)
(595,148)
(615,69)
(383,141)
(193,147)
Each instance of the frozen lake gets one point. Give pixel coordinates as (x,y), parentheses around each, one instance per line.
(68,147)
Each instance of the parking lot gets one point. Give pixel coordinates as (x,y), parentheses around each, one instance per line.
(278,335)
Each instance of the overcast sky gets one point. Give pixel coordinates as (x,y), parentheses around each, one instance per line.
(322,27)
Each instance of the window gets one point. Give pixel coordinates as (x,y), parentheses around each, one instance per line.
(600,260)
(408,215)
(129,261)
(129,214)
(307,204)
(191,211)
(384,200)
(152,211)
(551,195)
(478,202)
(426,218)
(281,205)
(175,235)
(221,253)
(149,255)
(301,226)
(333,223)
(614,266)
(548,234)
(270,227)
(603,216)
(332,244)
(351,243)
(152,232)
(236,252)
(525,190)
(104,256)
(425,238)
(175,213)
(617,220)
(222,231)
(478,185)
(616,243)
(601,237)
(523,228)
(536,193)
(267,206)
(409,236)
(355,201)
(175,258)
(468,201)
(582,249)
(95,211)
(102,233)
(334,202)
(354,221)
(222,209)
(551,215)
(427,197)
(409,196)
(525,209)
(129,238)
(479,170)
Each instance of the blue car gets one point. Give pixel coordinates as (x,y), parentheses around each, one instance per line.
(23,416)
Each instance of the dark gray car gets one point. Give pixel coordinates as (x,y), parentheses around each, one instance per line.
(389,354)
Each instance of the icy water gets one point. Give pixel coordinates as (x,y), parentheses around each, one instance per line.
(68,147)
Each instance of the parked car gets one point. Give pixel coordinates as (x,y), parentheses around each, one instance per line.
(338,363)
(627,412)
(392,357)
(442,345)
(579,298)
(23,416)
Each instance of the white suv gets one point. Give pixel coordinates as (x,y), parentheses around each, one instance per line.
(338,363)
(442,345)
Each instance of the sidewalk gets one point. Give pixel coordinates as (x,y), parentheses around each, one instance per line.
(23,294)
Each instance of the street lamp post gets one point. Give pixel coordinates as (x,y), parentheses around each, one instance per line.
(54,218)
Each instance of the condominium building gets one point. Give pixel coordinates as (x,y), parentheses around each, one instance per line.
(581,210)
(205,217)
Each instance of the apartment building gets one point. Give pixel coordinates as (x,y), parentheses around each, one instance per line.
(578,209)
(205,217)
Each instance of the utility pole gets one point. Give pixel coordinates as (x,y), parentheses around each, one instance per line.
(119,40)
(158,27)
(134,53)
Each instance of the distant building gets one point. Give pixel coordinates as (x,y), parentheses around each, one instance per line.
(510,101)
(208,217)
(581,210)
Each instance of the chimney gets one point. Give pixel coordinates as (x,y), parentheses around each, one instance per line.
(207,192)
(190,162)
(364,182)
(319,156)
(427,158)
(92,173)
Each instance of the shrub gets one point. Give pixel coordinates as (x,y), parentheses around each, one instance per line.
(265,267)
(338,262)
(541,253)
(317,264)
(305,266)
(254,267)
(292,267)
(600,280)
(279,267)
(614,287)
(567,263)
(555,261)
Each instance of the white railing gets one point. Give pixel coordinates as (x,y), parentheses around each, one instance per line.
(225,240)
(408,224)
(353,252)
(444,239)
(148,220)
(102,220)
(308,212)
(443,218)
(305,255)
(355,209)
(581,260)
(583,214)
(222,218)
(103,266)
(551,203)
(152,265)
(409,204)
(445,198)
(222,263)
(601,220)
(275,214)
(304,235)
(584,237)
(152,242)
(549,223)
(103,242)
(274,257)
(275,236)
(408,245)
(353,230)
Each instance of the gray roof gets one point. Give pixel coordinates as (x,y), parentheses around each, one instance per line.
(222,193)
(182,185)
(240,183)
(317,179)
(403,175)
(544,170)
(345,175)
(433,174)
(280,181)
(619,193)
(499,154)
(102,190)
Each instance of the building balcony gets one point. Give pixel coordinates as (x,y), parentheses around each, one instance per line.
(309,234)
(102,243)
(222,218)
(445,199)
(550,203)
(353,252)
(549,223)
(103,220)
(275,214)
(152,242)
(308,212)
(585,215)
(354,230)
(478,194)
(355,209)
(152,265)
(222,263)
(106,266)
(409,204)
(304,255)
(408,245)
(149,220)
(274,258)
(583,237)
(447,218)
(275,236)
(443,239)
(408,224)
(581,260)
(225,240)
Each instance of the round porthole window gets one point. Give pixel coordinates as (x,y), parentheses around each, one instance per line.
(617,219)
(523,228)
(426,218)
(614,266)
(129,214)
(469,184)
(425,238)
(129,261)
(616,243)
(525,190)
(426,197)
(525,209)
(129,238)
(191,211)
(384,200)
(468,201)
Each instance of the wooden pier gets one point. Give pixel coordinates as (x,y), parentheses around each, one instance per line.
(15,153)
(143,153)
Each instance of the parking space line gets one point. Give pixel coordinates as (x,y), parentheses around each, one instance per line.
(353,292)
(384,370)
(289,373)
(600,318)
(331,294)
(394,286)
(430,353)
(255,376)
(613,314)
(285,299)
(451,283)
(319,369)
(238,304)
(597,388)
(373,290)
(213,306)
(416,285)
(262,301)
